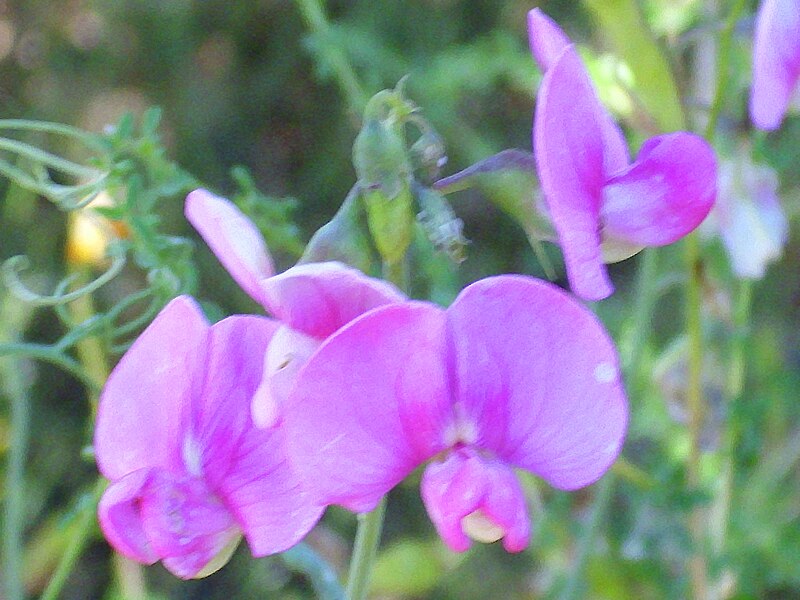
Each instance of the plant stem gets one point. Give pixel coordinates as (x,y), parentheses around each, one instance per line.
(13,384)
(16,390)
(646,293)
(698,569)
(313,12)
(79,536)
(303,559)
(364,551)
(735,386)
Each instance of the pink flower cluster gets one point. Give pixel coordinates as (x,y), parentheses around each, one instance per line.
(252,426)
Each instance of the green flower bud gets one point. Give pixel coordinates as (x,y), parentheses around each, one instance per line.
(343,239)
(379,157)
(442,226)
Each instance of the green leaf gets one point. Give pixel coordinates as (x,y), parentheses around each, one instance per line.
(654,84)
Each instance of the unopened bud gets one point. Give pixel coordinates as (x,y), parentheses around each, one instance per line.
(379,157)
(428,156)
(443,227)
(344,238)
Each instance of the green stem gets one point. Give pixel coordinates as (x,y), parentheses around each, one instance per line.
(86,137)
(735,386)
(316,21)
(646,294)
(366,547)
(51,355)
(575,585)
(79,537)
(698,569)
(15,501)
(304,559)
(723,71)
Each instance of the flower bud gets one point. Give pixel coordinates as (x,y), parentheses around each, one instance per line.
(343,239)
(428,156)
(379,157)
(443,227)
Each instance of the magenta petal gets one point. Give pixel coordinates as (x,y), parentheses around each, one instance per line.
(539,378)
(233,238)
(776,61)
(266,496)
(546,38)
(370,405)
(234,369)
(466,495)
(568,141)
(319,298)
(451,490)
(186,522)
(143,406)
(664,195)
(121,520)
(288,351)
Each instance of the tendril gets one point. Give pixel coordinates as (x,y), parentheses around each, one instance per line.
(13,267)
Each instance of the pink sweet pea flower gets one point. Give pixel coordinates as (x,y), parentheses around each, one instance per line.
(311,300)
(604,208)
(189,471)
(515,373)
(776,61)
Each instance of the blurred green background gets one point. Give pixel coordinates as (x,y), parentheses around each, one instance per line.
(253,83)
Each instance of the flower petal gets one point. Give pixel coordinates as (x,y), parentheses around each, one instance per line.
(247,467)
(538,376)
(185,523)
(234,368)
(121,520)
(319,298)
(664,195)
(370,405)
(466,495)
(569,147)
(288,351)
(776,61)
(546,39)
(145,402)
(233,238)
(266,495)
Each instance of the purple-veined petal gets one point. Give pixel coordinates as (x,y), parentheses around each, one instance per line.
(568,142)
(265,494)
(247,467)
(546,38)
(664,195)
(468,496)
(538,377)
(121,520)
(233,238)
(186,524)
(288,351)
(221,412)
(319,298)
(144,407)
(370,405)
(776,61)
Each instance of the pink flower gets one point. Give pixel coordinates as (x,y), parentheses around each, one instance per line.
(604,208)
(776,61)
(514,374)
(189,471)
(311,300)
